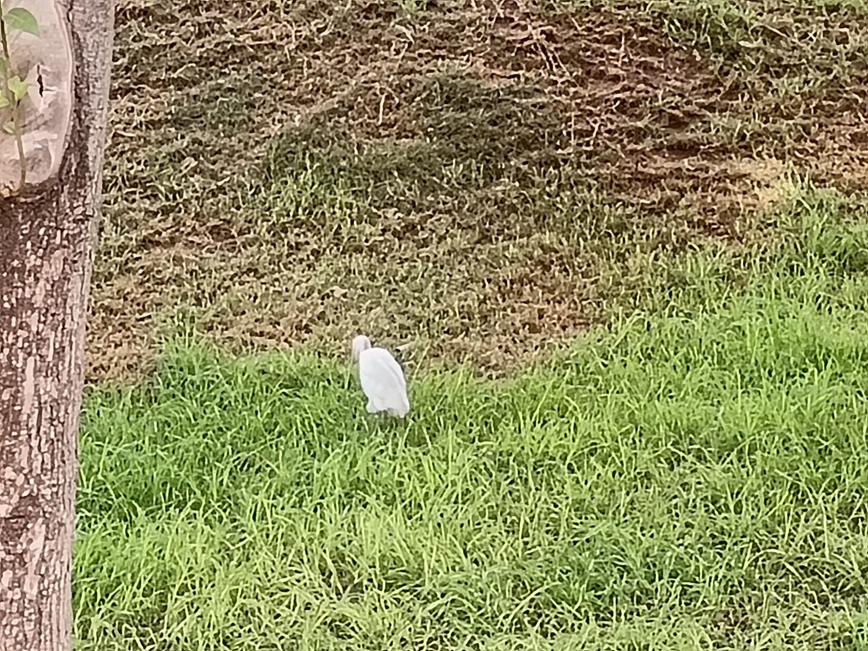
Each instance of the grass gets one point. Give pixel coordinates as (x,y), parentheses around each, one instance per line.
(691,477)
(613,187)
(478,177)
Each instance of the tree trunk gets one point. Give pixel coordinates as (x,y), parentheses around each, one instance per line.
(46,246)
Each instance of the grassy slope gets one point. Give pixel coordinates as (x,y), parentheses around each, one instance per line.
(690,479)
(478,177)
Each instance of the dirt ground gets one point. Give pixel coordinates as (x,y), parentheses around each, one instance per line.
(483,180)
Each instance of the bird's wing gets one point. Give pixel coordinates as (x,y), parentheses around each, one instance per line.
(382,378)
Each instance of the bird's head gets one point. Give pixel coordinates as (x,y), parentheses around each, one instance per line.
(360,343)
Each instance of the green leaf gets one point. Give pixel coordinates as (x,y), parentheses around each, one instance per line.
(22,20)
(18,88)
(4,102)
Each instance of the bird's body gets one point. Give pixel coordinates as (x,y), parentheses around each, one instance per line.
(382,379)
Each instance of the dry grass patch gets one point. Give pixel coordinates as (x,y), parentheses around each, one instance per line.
(483,178)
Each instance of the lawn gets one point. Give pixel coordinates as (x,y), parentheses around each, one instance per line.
(626,243)
(482,178)
(691,476)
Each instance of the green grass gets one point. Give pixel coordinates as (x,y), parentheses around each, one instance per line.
(692,477)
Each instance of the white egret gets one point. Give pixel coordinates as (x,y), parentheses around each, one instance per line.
(382,379)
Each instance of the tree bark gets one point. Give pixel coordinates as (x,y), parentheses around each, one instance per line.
(46,247)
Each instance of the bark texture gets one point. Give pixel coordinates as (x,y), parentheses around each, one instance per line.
(46,247)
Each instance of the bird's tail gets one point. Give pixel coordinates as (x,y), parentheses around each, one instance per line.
(401,410)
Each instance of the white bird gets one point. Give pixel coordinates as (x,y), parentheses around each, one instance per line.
(382,379)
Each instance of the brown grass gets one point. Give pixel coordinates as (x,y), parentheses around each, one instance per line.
(482,179)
